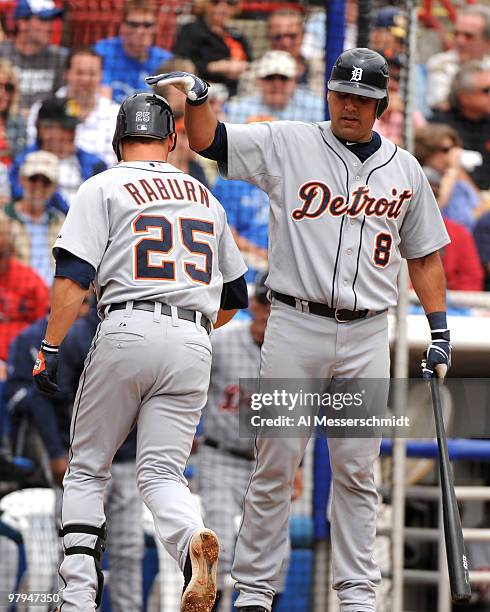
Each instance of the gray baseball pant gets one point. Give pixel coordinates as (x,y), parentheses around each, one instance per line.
(306,346)
(152,370)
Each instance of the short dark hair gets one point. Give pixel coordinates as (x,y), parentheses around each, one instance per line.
(80,51)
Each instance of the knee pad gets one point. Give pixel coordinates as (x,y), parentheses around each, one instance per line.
(95,552)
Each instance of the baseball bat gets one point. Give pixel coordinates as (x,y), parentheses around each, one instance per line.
(457,561)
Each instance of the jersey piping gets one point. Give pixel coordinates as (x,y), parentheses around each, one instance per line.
(362,227)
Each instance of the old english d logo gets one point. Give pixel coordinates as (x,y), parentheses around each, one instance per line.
(356,74)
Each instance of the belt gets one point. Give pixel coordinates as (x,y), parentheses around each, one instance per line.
(182,313)
(231,451)
(341,316)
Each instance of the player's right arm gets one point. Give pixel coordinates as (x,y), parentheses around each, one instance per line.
(200,120)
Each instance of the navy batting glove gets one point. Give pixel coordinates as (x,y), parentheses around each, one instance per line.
(46,368)
(195,89)
(437,358)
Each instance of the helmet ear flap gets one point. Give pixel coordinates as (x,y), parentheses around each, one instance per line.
(382,106)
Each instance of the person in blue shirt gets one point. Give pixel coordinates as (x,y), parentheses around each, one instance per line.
(131,56)
(247,211)
(278,94)
(56,123)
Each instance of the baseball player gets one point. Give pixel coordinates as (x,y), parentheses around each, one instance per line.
(346,205)
(164,261)
(225,461)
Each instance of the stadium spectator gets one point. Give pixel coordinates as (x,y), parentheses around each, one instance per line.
(128,58)
(97,113)
(460,259)
(481,234)
(39,64)
(12,126)
(219,52)
(183,157)
(391,122)
(438,146)
(34,224)
(29,409)
(56,123)
(388,31)
(471,42)
(5,192)
(469,115)
(174,97)
(24,297)
(279,95)
(286,32)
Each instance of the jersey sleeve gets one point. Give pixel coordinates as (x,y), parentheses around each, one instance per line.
(253,154)
(85,232)
(422,231)
(230,259)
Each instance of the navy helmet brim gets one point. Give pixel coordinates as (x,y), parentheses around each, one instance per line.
(357,89)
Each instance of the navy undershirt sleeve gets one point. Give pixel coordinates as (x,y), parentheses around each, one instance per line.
(72,267)
(218,149)
(234,294)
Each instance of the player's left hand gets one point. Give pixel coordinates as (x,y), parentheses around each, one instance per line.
(46,368)
(437,358)
(195,88)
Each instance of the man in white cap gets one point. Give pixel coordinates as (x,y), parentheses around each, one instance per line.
(34,225)
(278,94)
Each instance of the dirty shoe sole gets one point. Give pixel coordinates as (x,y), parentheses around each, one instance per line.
(200,593)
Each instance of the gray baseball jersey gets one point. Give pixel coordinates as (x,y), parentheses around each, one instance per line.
(152,232)
(235,356)
(338,228)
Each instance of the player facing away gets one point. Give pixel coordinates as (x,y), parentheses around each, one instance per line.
(165,266)
(346,205)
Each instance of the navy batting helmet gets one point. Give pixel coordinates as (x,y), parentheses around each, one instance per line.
(143,114)
(362,72)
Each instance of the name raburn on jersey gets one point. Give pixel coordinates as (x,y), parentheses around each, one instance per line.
(157,189)
(317,199)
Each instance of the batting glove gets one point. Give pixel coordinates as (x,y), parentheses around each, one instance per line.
(437,358)
(46,368)
(195,89)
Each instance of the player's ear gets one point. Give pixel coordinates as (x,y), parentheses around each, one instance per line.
(172,141)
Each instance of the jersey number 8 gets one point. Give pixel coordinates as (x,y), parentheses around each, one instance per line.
(382,249)
(151,245)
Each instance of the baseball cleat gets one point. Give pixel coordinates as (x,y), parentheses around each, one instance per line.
(200,572)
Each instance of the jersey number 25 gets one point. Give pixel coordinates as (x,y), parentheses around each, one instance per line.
(148,260)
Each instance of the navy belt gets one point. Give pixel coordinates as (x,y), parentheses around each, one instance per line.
(340,315)
(182,313)
(231,451)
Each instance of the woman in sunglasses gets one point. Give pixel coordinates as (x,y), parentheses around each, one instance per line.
(219,52)
(439,147)
(12,126)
